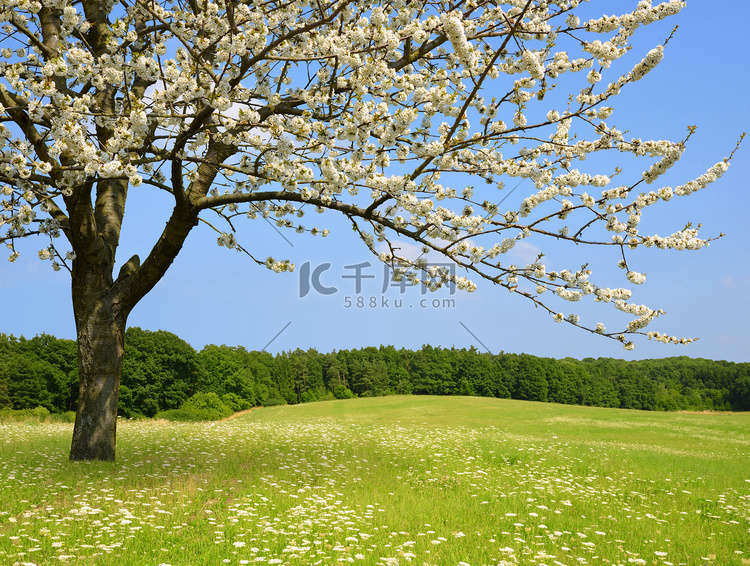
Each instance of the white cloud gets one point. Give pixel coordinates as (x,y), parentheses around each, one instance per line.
(524,253)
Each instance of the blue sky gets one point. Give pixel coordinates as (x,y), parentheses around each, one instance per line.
(216,296)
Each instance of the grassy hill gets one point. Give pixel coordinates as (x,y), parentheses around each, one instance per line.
(390,480)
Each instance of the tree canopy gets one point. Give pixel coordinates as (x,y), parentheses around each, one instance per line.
(388,113)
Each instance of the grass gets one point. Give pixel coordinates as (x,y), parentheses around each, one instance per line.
(394,480)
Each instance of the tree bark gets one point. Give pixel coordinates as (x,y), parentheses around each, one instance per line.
(101,305)
(101,333)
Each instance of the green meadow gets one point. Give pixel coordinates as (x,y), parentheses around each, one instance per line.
(388,480)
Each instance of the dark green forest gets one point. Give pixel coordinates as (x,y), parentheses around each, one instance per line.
(163,373)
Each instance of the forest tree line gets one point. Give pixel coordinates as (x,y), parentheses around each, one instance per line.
(161,372)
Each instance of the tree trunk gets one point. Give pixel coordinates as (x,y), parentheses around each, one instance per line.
(101,333)
(101,305)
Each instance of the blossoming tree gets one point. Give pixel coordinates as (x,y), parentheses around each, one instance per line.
(386,112)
